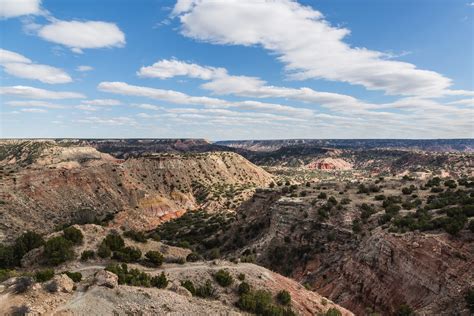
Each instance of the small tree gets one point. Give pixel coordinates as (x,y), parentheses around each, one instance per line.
(404,310)
(159,281)
(58,250)
(75,276)
(104,250)
(155,258)
(87,254)
(114,241)
(44,275)
(192,257)
(188,285)
(244,288)
(74,235)
(223,278)
(333,312)
(284,297)
(470,299)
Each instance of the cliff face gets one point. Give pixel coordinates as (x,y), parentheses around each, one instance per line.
(427,272)
(58,185)
(378,270)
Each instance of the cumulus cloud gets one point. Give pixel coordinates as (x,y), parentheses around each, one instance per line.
(19,66)
(79,35)
(15,8)
(320,53)
(222,83)
(36,93)
(164,69)
(84,68)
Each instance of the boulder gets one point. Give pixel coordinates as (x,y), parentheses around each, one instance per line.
(176,287)
(63,283)
(106,278)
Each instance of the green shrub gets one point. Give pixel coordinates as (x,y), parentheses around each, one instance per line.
(114,241)
(404,310)
(260,302)
(244,288)
(159,281)
(75,276)
(470,299)
(137,236)
(127,254)
(155,258)
(206,290)
(345,201)
(44,275)
(58,250)
(87,254)
(6,274)
(333,312)
(223,278)
(22,284)
(471,225)
(392,209)
(104,250)
(241,276)
(74,235)
(187,284)
(132,277)
(322,195)
(192,257)
(332,200)
(356,226)
(379,197)
(8,258)
(26,242)
(284,297)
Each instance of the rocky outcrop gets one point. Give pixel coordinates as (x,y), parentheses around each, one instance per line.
(62,283)
(62,185)
(106,278)
(329,164)
(430,273)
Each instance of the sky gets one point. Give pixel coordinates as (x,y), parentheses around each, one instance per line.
(237,69)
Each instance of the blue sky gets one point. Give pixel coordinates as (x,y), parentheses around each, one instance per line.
(237,69)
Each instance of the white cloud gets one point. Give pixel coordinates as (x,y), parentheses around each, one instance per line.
(220,82)
(82,35)
(84,68)
(19,66)
(182,98)
(7,56)
(36,93)
(88,108)
(170,68)
(114,121)
(306,43)
(43,73)
(102,102)
(147,106)
(14,8)
(35,103)
(33,110)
